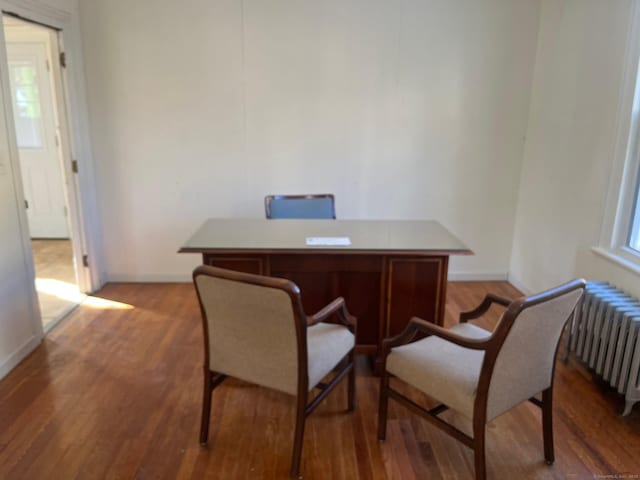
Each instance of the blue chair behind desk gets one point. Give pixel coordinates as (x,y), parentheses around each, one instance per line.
(300,206)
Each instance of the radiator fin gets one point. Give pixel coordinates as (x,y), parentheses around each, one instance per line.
(605,334)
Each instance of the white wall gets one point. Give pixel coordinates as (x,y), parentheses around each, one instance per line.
(571,142)
(20,325)
(407,109)
(20,331)
(19,317)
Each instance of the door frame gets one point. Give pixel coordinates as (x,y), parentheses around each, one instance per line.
(78,164)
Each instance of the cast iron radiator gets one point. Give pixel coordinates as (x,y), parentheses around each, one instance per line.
(605,334)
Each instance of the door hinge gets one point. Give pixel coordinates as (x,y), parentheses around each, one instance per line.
(63,59)
(85,261)
(74,166)
(46,62)
(26,204)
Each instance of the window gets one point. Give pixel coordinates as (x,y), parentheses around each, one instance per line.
(626,228)
(634,231)
(620,235)
(26,104)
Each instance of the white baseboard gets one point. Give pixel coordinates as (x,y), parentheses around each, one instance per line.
(477,277)
(519,285)
(145,278)
(20,354)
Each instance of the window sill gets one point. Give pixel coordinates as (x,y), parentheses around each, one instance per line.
(631,265)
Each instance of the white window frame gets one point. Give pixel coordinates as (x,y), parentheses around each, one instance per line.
(624,181)
(634,236)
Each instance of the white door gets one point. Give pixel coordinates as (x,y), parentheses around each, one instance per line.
(37,138)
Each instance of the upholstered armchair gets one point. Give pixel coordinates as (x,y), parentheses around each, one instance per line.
(255,329)
(482,374)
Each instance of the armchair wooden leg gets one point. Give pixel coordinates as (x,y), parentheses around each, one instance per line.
(211,381)
(206,407)
(383,405)
(351,386)
(478,449)
(547,424)
(298,436)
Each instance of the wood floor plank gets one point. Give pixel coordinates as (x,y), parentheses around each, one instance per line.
(115,393)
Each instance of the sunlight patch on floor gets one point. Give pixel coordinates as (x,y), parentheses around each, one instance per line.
(70,292)
(58,288)
(103,303)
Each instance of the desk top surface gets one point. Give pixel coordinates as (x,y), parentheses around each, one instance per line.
(261,235)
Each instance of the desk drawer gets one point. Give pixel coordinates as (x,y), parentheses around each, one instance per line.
(241,263)
(325,263)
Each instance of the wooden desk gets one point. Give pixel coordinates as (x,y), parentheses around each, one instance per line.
(392,270)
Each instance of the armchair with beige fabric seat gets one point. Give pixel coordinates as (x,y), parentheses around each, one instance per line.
(482,374)
(255,329)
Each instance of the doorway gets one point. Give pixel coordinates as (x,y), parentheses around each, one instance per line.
(41,129)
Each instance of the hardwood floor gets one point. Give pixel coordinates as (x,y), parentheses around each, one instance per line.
(53,258)
(115,392)
(58,291)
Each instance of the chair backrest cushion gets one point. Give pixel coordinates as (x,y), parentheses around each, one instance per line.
(251,332)
(300,206)
(524,365)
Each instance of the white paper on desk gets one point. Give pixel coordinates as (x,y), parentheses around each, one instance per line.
(333,241)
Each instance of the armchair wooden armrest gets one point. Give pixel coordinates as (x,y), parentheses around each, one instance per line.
(339,307)
(418,325)
(481,309)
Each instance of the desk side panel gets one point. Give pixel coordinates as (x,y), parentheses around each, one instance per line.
(416,287)
(322,278)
